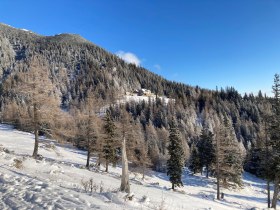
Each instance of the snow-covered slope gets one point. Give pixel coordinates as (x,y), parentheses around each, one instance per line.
(55,182)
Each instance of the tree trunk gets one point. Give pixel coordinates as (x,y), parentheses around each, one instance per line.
(114,162)
(173,187)
(99,160)
(268,193)
(218,187)
(143,171)
(125,176)
(36,145)
(88,158)
(218,167)
(106,164)
(276,192)
(207,171)
(36,130)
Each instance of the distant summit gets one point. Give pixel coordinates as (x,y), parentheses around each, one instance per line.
(63,37)
(66,37)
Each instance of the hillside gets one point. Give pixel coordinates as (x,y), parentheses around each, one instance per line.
(55,182)
(77,65)
(78,68)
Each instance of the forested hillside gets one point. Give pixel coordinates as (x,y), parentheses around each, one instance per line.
(67,88)
(79,70)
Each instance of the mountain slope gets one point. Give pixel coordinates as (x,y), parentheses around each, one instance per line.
(79,68)
(55,182)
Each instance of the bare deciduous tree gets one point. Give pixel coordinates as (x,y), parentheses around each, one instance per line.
(34,90)
(87,126)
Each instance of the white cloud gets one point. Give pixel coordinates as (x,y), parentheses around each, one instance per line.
(157,67)
(129,57)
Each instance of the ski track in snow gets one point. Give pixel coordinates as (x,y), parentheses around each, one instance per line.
(55,182)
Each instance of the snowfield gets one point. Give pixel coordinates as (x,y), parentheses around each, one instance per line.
(55,182)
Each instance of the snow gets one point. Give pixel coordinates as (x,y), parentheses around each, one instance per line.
(55,182)
(23,29)
(137,98)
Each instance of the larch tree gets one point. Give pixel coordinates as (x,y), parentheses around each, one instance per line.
(175,163)
(34,88)
(144,159)
(153,150)
(231,157)
(140,150)
(228,163)
(87,126)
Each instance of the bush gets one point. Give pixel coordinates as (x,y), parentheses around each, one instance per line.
(18,163)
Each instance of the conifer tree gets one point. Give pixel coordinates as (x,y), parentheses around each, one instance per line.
(109,147)
(195,164)
(231,159)
(259,157)
(206,149)
(228,166)
(175,163)
(218,136)
(275,141)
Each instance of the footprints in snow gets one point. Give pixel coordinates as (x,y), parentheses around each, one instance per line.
(27,193)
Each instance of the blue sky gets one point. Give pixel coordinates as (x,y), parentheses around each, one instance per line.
(198,42)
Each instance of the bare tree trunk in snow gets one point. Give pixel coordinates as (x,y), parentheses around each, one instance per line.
(36,130)
(125,176)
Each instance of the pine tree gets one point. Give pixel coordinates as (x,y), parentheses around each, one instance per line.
(217,161)
(109,147)
(275,140)
(206,149)
(175,163)
(195,164)
(259,157)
